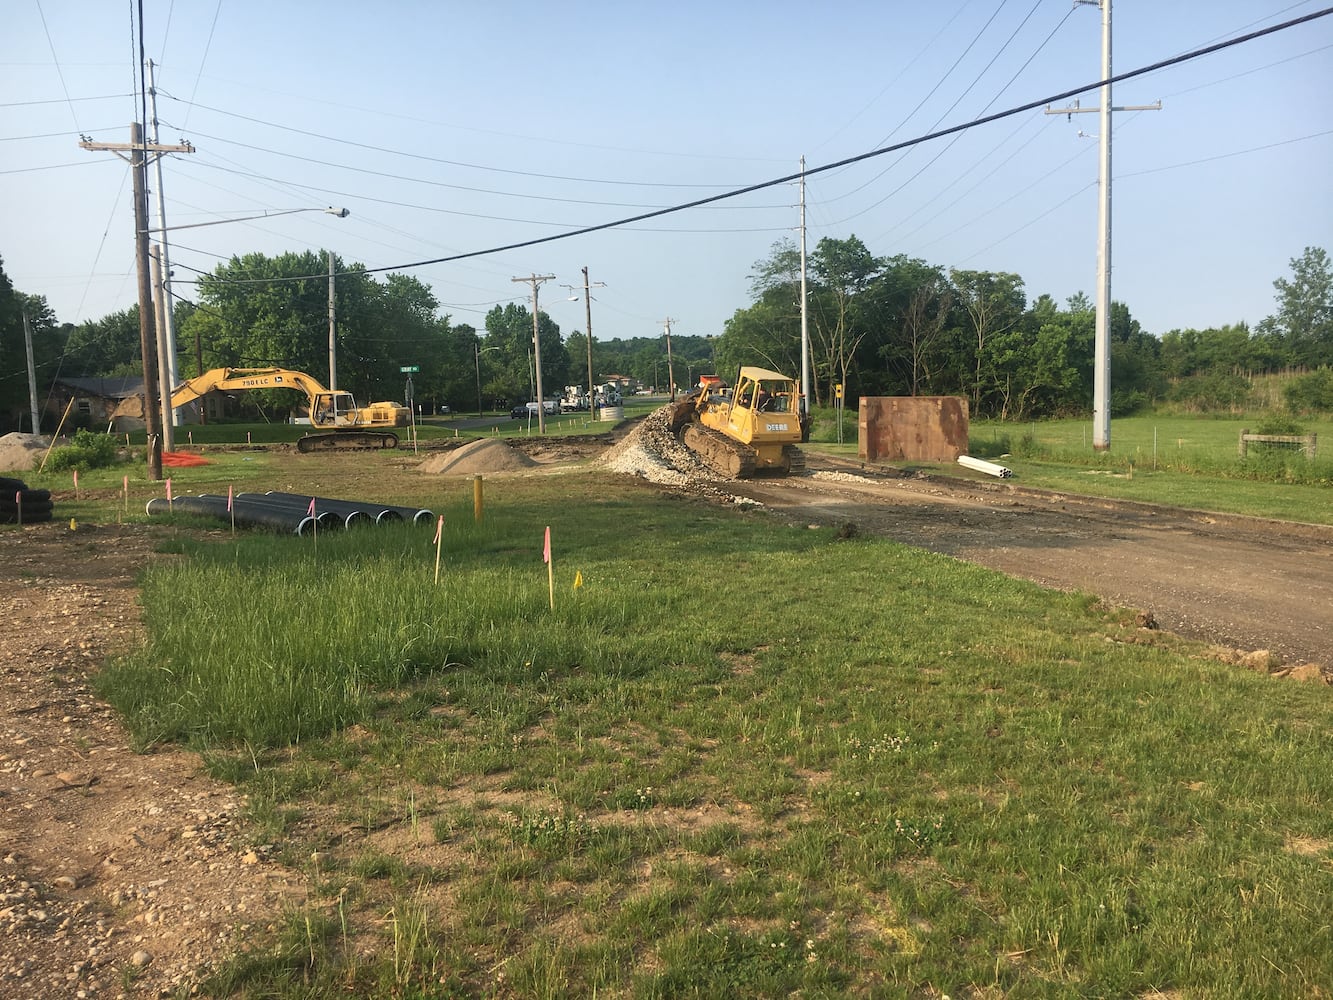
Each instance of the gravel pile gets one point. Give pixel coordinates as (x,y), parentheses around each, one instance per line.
(652,452)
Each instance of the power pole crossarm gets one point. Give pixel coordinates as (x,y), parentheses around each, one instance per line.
(133,147)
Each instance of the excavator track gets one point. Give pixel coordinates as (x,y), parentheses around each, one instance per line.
(719,452)
(347,441)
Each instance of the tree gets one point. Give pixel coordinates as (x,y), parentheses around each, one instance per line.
(842,269)
(993,303)
(1303,323)
(47,347)
(107,346)
(273,312)
(509,328)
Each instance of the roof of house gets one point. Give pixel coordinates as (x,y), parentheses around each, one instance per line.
(110,387)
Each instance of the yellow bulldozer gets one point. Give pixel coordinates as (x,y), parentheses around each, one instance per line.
(752,427)
(345,425)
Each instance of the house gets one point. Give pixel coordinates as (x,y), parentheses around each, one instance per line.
(115,403)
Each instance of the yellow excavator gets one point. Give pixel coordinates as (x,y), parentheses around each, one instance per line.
(754,426)
(346,425)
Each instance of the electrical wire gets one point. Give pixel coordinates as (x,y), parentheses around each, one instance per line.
(55,59)
(435,159)
(217,11)
(444,184)
(871,154)
(1225,156)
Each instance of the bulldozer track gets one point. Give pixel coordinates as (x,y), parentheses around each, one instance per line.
(719,452)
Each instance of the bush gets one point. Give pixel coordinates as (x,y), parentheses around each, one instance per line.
(1311,391)
(87,451)
(1278,424)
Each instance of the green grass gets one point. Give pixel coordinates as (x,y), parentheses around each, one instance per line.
(1181,461)
(743,759)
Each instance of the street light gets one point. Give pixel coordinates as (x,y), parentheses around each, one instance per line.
(478,351)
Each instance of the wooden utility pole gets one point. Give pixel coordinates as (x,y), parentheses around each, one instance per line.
(138,151)
(671,373)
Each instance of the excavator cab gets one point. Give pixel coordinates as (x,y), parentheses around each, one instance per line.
(333,409)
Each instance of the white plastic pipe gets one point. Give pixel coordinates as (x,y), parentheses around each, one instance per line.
(990,468)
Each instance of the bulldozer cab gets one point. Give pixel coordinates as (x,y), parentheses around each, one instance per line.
(765,392)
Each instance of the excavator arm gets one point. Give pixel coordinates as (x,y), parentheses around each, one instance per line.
(247,378)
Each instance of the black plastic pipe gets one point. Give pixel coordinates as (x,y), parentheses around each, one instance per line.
(328,520)
(250,515)
(376,510)
(347,515)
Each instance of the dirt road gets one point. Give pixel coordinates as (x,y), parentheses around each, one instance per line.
(1241,582)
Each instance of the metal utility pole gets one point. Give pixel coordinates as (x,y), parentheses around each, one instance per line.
(166,327)
(1101,371)
(32,374)
(333,346)
(138,149)
(671,376)
(587,305)
(536,281)
(805,326)
(163,375)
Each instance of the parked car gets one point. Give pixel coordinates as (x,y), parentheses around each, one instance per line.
(518,413)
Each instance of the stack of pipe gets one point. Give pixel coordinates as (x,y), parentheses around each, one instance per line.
(291,511)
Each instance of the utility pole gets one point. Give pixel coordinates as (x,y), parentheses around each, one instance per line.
(166,327)
(588,310)
(138,149)
(32,374)
(333,316)
(1101,370)
(536,281)
(805,326)
(671,377)
(587,305)
(163,375)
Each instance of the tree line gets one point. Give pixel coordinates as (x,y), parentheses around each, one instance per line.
(877,325)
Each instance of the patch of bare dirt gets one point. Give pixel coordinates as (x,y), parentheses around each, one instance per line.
(121,874)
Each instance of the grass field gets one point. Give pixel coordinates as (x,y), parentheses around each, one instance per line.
(742,759)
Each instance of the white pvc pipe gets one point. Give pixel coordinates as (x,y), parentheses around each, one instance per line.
(990,468)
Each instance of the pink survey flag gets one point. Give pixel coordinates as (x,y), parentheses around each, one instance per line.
(439,530)
(168,489)
(229,496)
(311,510)
(546,548)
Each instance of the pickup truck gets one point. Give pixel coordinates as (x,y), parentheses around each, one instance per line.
(551,406)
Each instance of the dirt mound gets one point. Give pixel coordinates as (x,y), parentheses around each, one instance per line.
(485,455)
(652,451)
(20,452)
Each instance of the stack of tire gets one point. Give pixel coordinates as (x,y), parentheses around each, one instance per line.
(18,504)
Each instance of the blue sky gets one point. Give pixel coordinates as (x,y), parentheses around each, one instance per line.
(448,128)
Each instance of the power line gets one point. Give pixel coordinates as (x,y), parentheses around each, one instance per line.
(436,159)
(871,154)
(55,59)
